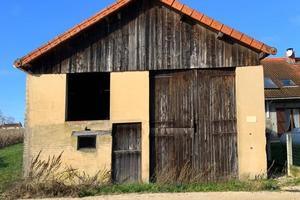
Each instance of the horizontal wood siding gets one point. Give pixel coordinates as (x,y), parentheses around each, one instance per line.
(145,36)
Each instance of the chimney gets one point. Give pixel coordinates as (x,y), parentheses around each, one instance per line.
(290,56)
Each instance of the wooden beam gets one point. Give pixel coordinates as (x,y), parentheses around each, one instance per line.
(263,55)
(220,35)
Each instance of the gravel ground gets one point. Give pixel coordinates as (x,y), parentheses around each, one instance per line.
(199,196)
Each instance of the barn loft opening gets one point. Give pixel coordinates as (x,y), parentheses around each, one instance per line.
(88,96)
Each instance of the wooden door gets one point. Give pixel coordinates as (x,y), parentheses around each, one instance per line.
(171,123)
(281,121)
(126,153)
(222,120)
(193,124)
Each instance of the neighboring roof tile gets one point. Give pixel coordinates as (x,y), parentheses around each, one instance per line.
(279,69)
(172,3)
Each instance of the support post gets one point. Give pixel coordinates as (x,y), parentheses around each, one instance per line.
(289,151)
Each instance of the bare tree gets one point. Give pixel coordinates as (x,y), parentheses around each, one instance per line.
(5,119)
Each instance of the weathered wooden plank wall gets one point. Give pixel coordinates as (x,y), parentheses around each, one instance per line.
(171,122)
(216,132)
(126,155)
(145,36)
(193,125)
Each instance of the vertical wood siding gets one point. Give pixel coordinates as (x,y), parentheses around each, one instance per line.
(145,36)
(171,121)
(193,124)
(126,164)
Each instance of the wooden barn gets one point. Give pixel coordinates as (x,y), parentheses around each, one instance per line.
(149,89)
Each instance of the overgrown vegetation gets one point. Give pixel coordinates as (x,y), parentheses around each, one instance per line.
(11,137)
(48,178)
(10,165)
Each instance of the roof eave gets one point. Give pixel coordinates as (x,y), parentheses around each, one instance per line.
(281,98)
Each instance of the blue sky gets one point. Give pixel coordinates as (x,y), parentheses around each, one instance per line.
(26,24)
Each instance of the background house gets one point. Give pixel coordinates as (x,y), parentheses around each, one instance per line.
(11,126)
(282,96)
(147,87)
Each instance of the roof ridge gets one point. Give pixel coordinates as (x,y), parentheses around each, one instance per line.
(175,4)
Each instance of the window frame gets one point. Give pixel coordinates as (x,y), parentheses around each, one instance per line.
(92,147)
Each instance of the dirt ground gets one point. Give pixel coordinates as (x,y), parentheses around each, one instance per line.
(200,196)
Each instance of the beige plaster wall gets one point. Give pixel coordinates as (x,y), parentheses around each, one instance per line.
(47,130)
(130,103)
(251,122)
(46,100)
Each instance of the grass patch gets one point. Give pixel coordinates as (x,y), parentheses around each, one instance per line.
(289,182)
(10,165)
(46,180)
(259,185)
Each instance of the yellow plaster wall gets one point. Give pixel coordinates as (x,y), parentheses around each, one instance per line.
(46,100)
(130,103)
(251,122)
(47,130)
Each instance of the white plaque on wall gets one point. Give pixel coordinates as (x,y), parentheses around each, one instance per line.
(251,119)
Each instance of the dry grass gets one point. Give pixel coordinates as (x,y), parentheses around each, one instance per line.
(10,137)
(47,178)
(188,175)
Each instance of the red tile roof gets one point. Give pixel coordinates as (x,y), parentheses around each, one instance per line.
(241,37)
(278,69)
